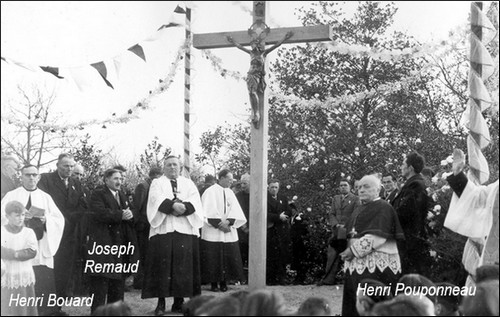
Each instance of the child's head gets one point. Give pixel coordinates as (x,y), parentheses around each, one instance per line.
(416,281)
(263,302)
(446,303)
(484,302)
(220,306)
(487,272)
(314,306)
(380,292)
(403,305)
(194,303)
(15,213)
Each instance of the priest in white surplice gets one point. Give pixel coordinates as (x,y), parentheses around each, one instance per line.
(176,216)
(220,250)
(48,229)
(473,212)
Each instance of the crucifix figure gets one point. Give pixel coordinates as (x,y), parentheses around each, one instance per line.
(257,37)
(256,82)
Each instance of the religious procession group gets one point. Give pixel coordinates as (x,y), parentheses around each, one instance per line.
(60,242)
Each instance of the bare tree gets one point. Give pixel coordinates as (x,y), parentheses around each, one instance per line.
(30,127)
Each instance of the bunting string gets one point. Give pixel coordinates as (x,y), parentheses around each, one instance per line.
(342,48)
(349,99)
(99,66)
(216,63)
(130,114)
(356,50)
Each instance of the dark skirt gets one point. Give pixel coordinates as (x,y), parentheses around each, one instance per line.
(64,263)
(45,285)
(172,266)
(221,262)
(13,308)
(275,262)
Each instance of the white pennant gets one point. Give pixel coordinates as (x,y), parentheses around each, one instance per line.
(477,90)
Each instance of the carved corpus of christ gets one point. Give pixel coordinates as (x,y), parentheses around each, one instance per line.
(256,82)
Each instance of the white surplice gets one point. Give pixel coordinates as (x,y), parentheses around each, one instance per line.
(162,223)
(475,215)
(49,244)
(213,204)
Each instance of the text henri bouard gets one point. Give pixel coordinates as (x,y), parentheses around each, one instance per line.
(90,267)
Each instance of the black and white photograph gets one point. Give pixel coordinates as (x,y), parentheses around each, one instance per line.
(249,158)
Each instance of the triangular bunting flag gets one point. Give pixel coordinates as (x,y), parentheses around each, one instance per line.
(479,170)
(171,24)
(27,66)
(478,90)
(479,129)
(480,55)
(478,17)
(83,77)
(179,9)
(101,68)
(23,65)
(137,50)
(118,65)
(53,70)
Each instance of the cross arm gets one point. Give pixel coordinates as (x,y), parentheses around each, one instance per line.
(302,34)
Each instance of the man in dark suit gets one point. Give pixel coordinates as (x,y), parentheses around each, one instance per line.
(142,226)
(278,234)
(391,190)
(209,181)
(111,225)
(69,197)
(411,205)
(9,170)
(342,207)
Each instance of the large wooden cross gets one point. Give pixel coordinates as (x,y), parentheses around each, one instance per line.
(257,36)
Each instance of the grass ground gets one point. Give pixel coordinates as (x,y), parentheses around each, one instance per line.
(294,295)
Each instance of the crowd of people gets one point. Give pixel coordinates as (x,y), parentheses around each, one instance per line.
(174,236)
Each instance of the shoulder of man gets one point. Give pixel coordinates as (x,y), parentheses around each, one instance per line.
(142,186)
(351,196)
(100,190)
(45,176)
(415,183)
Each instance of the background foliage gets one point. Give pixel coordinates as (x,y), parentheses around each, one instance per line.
(311,147)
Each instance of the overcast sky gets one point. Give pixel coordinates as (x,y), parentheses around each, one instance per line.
(77,33)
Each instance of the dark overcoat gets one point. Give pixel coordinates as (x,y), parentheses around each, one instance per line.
(106,228)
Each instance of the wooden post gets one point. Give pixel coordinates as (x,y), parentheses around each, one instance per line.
(187,96)
(477,30)
(259,132)
(258,180)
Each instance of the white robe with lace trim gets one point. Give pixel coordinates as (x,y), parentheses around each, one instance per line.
(49,244)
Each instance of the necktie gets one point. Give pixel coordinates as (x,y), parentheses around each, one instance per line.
(28,205)
(117,197)
(173,182)
(66,182)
